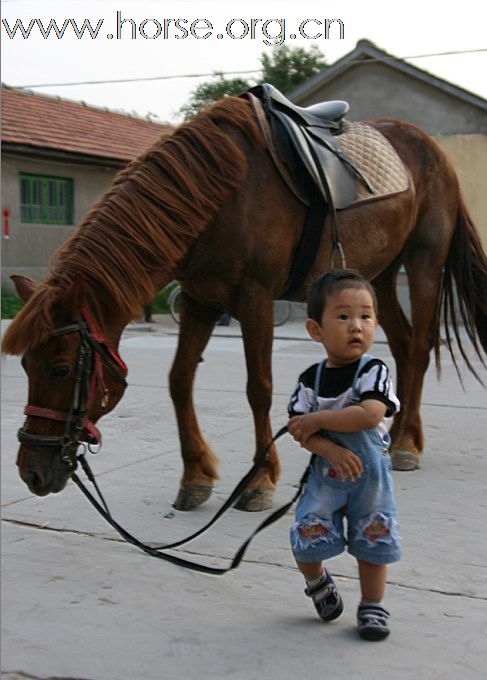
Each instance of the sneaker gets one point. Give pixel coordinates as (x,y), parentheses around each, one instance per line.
(372,621)
(326,598)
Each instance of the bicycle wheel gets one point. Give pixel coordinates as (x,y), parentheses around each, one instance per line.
(282,310)
(174,302)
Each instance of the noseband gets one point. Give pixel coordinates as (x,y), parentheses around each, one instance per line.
(92,354)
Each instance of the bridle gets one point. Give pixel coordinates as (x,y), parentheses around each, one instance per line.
(93,353)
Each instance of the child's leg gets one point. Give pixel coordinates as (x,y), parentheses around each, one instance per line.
(372,580)
(371,615)
(310,570)
(322,590)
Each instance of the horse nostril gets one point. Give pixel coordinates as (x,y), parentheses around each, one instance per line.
(42,483)
(33,480)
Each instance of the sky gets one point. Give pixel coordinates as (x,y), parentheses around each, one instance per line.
(165,39)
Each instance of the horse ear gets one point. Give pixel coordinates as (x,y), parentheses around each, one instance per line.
(75,297)
(24,286)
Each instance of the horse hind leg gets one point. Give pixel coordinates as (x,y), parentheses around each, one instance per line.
(424,258)
(398,331)
(199,461)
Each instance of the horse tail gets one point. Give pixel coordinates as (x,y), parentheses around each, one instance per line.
(466,301)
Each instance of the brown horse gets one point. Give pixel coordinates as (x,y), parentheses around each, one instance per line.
(207,206)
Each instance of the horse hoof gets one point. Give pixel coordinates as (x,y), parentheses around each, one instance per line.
(255,500)
(189,497)
(405,460)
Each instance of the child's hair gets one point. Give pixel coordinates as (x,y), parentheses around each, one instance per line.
(331,283)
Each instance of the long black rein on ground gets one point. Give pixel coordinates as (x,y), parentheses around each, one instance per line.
(104,511)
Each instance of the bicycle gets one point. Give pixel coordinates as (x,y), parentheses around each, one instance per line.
(282,308)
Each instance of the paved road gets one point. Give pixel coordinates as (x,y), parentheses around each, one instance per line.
(78,603)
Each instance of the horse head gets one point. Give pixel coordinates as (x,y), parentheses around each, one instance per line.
(75,377)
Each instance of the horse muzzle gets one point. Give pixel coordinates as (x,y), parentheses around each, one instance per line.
(43,469)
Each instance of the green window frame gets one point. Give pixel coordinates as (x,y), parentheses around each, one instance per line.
(45,199)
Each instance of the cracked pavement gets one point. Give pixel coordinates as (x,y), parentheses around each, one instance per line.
(80,604)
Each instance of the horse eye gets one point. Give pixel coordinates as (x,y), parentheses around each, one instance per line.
(58,372)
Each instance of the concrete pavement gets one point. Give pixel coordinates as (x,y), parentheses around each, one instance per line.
(78,603)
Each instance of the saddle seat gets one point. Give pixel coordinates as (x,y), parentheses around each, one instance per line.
(315,113)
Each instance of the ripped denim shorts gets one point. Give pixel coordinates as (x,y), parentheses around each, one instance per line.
(367,503)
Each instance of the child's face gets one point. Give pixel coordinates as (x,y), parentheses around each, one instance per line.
(347,326)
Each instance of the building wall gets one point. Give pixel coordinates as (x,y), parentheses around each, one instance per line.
(376,90)
(30,246)
(468,154)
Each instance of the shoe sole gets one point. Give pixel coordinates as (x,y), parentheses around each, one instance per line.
(334,615)
(373,634)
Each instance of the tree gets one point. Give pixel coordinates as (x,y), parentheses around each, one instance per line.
(285,68)
(209,91)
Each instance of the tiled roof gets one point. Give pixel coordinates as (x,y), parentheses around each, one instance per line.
(50,123)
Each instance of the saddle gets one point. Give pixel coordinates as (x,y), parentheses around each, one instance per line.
(308,143)
(322,157)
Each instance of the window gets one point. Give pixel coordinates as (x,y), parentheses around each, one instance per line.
(47,200)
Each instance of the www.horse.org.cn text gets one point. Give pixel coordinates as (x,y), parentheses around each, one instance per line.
(271,32)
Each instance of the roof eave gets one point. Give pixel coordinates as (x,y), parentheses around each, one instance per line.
(45,153)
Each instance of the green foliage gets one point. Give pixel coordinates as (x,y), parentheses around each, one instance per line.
(284,67)
(208,92)
(159,304)
(287,67)
(10,304)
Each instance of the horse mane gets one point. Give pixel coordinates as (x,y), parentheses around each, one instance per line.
(145,222)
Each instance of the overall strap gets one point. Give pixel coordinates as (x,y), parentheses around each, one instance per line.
(316,390)
(314,407)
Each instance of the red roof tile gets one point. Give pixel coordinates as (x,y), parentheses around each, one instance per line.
(48,122)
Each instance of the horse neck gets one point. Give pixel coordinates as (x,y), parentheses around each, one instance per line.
(112,318)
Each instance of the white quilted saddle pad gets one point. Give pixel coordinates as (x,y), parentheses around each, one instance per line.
(377,159)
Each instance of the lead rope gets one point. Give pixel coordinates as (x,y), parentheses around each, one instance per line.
(102,507)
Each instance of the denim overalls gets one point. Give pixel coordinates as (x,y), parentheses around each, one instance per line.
(368,502)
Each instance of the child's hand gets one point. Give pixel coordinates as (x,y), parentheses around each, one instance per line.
(302,427)
(346,464)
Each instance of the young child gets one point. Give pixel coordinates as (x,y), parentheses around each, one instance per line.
(339,411)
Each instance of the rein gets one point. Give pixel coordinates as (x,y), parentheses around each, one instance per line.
(157,551)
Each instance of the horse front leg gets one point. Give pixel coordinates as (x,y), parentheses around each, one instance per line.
(199,461)
(256,320)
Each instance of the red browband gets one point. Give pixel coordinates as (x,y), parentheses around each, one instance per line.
(97,335)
